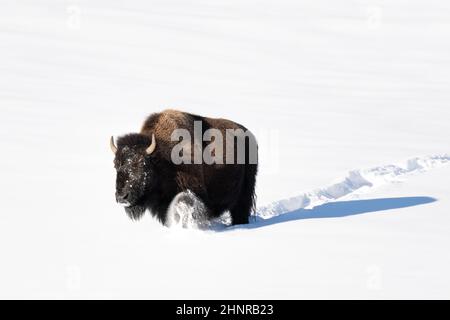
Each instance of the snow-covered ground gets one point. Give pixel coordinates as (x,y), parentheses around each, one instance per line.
(339,94)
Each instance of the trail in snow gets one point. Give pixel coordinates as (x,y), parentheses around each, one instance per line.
(186,210)
(357,181)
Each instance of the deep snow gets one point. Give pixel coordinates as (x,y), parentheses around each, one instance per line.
(327,87)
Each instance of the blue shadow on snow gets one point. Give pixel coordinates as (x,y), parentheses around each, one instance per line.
(341,209)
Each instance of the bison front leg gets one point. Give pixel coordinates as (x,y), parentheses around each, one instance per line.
(187,211)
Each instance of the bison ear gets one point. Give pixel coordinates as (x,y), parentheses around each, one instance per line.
(112,145)
(152,147)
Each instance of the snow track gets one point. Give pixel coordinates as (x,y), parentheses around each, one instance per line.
(356,181)
(186,210)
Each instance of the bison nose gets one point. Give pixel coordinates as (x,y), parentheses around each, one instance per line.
(122,198)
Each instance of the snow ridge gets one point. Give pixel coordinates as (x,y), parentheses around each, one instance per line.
(356,181)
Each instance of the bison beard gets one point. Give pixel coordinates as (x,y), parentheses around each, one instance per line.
(136,211)
(148,179)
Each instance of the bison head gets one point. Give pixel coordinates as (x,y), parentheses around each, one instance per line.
(135,174)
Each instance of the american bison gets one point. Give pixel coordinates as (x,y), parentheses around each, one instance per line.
(176,152)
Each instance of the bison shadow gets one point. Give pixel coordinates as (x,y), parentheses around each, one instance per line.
(339,209)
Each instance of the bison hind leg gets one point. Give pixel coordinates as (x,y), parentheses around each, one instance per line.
(240,213)
(245,205)
(242,209)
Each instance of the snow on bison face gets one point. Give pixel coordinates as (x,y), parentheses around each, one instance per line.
(134,173)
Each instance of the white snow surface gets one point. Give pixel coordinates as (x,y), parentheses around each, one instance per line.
(356,182)
(329,88)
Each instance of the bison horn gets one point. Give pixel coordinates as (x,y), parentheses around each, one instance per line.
(112,145)
(152,146)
